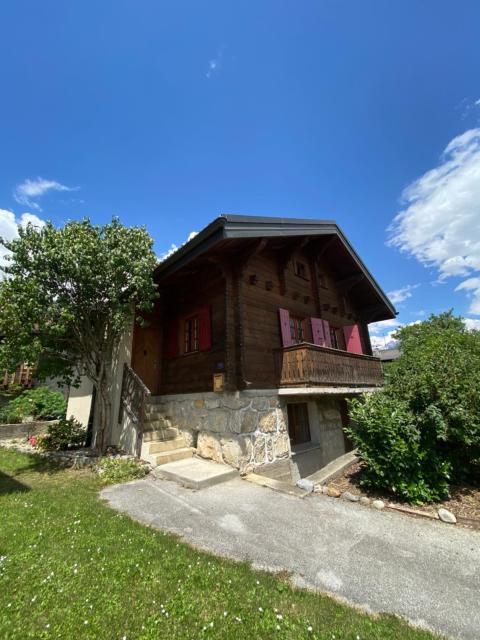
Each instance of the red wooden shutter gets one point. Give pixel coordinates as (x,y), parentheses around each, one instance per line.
(318,334)
(326,333)
(352,339)
(284,316)
(172,342)
(204,329)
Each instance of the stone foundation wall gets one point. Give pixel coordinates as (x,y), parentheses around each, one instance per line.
(245,429)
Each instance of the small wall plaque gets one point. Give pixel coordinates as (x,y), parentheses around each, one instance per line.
(218,381)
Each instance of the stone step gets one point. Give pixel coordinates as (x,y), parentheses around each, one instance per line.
(158,435)
(176,454)
(167,445)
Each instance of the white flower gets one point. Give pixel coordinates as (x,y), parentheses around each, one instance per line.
(310,629)
(279,616)
(260,609)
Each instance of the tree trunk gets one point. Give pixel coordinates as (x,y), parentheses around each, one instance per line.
(104,422)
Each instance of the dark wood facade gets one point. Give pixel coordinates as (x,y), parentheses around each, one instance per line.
(219,311)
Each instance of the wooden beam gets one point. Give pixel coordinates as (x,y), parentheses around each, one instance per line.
(346,284)
(368,314)
(285,257)
(318,253)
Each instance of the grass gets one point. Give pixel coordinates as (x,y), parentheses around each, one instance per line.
(70,567)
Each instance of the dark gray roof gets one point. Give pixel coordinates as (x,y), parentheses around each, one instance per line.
(231,226)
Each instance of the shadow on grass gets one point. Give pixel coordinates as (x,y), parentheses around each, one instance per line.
(10,485)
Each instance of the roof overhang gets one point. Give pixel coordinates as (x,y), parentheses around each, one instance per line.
(231,226)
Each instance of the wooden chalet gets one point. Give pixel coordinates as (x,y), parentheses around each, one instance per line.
(259,334)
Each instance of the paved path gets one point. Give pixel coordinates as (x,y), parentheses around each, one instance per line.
(426,571)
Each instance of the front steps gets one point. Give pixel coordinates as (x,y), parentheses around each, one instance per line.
(161,442)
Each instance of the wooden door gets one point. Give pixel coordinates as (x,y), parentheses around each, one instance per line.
(146,356)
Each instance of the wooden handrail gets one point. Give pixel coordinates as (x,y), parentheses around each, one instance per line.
(133,400)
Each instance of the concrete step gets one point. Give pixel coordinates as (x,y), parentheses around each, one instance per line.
(196,473)
(160,446)
(172,456)
(157,435)
(276,485)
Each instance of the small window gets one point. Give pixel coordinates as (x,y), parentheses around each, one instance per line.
(297,332)
(336,337)
(191,334)
(300,269)
(298,426)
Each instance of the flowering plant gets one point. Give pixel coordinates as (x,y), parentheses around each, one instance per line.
(33,441)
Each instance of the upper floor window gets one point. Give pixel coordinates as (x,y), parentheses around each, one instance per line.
(336,338)
(300,269)
(297,330)
(191,334)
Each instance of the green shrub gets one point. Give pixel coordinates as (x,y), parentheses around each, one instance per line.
(42,403)
(65,434)
(423,430)
(115,470)
(397,458)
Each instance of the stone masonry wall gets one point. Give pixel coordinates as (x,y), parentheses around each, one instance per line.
(245,429)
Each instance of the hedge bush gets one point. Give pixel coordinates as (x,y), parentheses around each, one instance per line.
(41,403)
(422,432)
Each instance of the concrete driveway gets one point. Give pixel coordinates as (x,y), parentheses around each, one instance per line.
(427,572)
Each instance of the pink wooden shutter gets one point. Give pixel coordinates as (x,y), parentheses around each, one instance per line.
(326,333)
(352,338)
(204,329)
(172,342)
(318,334)
(284,316)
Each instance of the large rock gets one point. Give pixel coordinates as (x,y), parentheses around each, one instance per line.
(281,445)
(351,497)
(268,422)
(306,485)
(446,516)
(217,420)
(260,403)
(259,450)
(236,452)
(209,446)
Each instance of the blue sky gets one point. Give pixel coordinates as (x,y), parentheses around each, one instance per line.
(169,114)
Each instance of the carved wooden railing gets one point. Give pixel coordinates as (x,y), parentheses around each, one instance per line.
(312,365)
(133,400)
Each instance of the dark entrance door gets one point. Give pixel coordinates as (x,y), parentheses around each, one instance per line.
(146,356)
(298,426)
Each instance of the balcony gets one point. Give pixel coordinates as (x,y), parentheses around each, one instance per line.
(309,365)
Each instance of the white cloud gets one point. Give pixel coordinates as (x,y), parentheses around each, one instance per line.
(440,222)
(9,228)
(29,191)
(399,295)
(477,103)
(472,323)
(174,247)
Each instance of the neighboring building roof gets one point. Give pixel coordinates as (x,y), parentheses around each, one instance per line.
(387,355)
(231,226)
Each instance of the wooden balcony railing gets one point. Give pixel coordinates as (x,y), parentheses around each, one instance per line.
(311,365)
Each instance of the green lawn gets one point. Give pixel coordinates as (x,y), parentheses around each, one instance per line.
(72,568)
